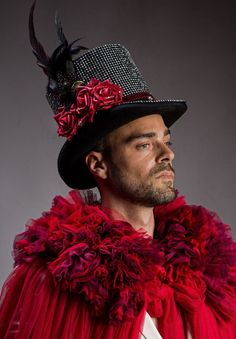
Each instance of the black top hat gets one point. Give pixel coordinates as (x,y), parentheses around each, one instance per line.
(92,96)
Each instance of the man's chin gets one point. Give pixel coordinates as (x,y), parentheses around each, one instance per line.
(167,197)
(165,186)
(167,194)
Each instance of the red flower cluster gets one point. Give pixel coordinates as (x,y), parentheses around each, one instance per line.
(96,95)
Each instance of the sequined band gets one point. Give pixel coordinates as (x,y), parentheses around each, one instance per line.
(138,96)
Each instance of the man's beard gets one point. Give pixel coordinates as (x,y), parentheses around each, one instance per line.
(142,193)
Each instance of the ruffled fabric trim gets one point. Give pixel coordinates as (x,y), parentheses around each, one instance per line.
(200,257)
(107,262)
(120,271)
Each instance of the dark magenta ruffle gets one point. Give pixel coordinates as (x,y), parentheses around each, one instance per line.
(200,257)
(105,261)
(119,270)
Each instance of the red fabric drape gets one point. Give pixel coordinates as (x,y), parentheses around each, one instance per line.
(32,307)
(202,323)
(74,263)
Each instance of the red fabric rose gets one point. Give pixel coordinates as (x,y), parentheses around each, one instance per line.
(85,103)
(105,93)
(68,121)
(96,95)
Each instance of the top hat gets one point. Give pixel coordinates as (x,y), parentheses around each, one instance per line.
(98,92)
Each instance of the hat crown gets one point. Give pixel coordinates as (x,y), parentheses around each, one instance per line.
(113,62)
(110,61)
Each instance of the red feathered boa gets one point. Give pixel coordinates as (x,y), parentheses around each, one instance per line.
(188,266)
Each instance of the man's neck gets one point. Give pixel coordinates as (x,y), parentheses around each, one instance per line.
(140,217)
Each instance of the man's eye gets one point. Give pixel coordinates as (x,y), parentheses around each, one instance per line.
(143,146)
(168,143)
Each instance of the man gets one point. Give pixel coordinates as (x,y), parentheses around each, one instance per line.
(141,263)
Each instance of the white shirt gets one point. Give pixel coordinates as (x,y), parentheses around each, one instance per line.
(150,331)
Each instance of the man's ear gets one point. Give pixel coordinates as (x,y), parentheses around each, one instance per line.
(96,164)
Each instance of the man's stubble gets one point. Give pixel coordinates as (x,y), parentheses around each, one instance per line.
(143,193)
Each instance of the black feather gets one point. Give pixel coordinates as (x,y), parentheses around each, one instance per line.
(61,59)
(62,38)
(60,34)
(42,58)
(76,49)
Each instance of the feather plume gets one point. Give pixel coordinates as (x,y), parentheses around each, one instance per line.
(43,59)
(60,33)
(61,60)
(62,56)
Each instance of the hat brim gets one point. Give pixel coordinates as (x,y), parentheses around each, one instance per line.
(71,165)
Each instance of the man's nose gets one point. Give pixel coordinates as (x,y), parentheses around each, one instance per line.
(165,154)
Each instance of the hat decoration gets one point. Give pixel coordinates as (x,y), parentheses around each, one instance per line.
(61,59)
(81,101)
(96,95)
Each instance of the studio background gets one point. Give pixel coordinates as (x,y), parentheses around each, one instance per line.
(185,50)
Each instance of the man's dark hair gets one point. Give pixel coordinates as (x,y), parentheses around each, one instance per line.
(103,146)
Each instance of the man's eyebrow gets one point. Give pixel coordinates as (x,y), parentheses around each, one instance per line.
(133,137)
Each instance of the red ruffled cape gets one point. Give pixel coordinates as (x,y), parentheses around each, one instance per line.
(79,274)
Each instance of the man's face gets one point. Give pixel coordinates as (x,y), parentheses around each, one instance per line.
(140,162)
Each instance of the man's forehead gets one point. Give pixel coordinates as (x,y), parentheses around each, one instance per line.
(145,134)
(151,124)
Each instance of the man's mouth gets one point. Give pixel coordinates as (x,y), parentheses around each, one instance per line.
(163,170)
(165,174)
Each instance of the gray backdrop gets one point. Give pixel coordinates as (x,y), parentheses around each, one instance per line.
(185,49)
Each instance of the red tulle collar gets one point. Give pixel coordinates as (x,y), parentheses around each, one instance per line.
(119,271)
